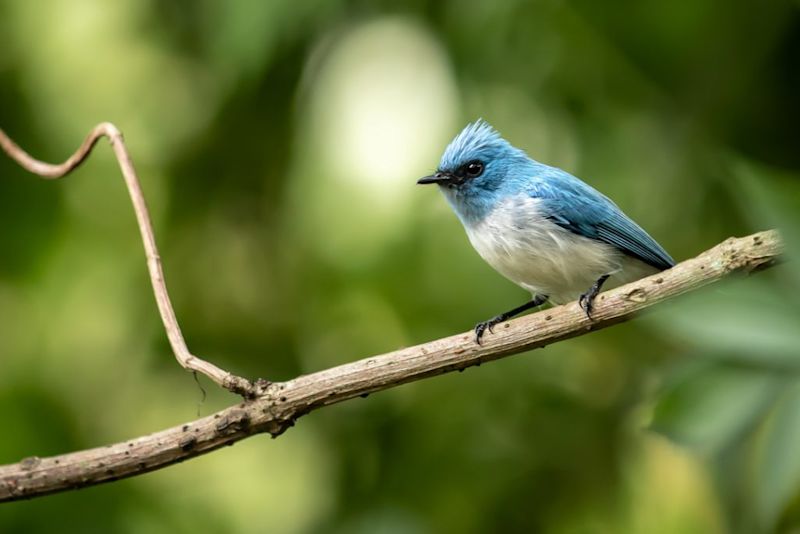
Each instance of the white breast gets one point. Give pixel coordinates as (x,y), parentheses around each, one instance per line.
(544,258)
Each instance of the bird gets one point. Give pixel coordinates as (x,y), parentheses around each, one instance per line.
(539,226)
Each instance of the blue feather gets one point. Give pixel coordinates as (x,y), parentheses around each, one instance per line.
(578,207)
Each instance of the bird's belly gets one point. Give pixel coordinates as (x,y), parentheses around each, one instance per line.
(546,259)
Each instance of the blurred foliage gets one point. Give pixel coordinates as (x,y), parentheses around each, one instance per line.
(278,144)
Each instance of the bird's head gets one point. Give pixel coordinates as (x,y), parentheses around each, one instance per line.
(477,168)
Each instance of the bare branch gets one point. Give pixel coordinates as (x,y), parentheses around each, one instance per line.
(187,360)
(280,404)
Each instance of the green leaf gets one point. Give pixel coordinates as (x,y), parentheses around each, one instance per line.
(715,406)
(776,461)
(748,321)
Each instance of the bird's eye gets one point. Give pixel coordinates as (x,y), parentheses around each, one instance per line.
(473,169)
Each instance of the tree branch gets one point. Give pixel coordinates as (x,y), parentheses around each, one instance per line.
(280,404)
(274,407)
(187,360)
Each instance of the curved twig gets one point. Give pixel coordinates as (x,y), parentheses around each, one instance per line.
(280,404)
(229,381)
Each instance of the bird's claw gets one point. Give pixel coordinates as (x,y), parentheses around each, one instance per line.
(586,302)
(481,327)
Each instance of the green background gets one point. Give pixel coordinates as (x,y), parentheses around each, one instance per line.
(278,145)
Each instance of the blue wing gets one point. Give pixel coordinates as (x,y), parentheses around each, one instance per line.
(576,206)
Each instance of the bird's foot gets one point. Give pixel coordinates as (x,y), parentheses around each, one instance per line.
(586,300)
(481,327)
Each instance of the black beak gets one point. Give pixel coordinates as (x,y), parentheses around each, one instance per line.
(438,178)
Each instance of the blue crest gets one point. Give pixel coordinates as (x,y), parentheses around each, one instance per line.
(478,140)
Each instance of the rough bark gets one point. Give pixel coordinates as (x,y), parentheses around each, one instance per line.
(279,405)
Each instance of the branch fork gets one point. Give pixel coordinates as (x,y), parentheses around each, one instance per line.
(187,360)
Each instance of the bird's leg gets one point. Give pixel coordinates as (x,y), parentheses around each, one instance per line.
(586,301)
(480,328)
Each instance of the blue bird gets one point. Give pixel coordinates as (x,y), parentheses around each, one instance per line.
(542,228)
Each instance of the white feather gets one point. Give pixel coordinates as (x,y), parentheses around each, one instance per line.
(518,241)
